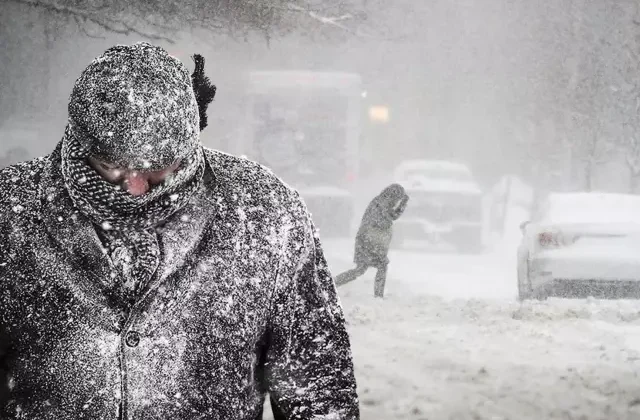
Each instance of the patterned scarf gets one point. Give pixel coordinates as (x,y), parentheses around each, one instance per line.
(127,224)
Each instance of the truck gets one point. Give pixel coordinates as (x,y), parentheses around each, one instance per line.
(305,127)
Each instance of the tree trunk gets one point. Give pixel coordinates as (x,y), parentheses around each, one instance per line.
(588,176)
(633,182)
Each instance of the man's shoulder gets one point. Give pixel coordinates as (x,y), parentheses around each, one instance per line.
(256,192)
(249,177)
(20,185)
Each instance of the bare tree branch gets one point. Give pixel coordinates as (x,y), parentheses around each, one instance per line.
(84,30)
(333,21)
(161,20)
(337,22)
(109,24)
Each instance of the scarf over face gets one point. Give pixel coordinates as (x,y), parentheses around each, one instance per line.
(133,107)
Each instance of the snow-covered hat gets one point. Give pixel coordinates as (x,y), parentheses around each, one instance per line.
(134,106)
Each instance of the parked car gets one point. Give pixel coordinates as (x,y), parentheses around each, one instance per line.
(580,245)
(445,206)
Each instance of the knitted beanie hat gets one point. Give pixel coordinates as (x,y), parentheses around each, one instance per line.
(135,107)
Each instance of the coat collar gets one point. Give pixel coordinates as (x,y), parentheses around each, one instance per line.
(183,234)
(76,238)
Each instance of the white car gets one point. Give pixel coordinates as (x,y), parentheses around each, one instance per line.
(445,204)
(580,245)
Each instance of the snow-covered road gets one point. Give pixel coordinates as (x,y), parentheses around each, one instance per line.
(451,342)
(427,271)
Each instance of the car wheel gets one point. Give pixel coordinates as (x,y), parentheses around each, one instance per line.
(541,295)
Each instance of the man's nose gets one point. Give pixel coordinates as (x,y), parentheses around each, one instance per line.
(136,183)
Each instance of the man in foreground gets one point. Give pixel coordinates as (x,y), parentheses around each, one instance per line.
(143,276)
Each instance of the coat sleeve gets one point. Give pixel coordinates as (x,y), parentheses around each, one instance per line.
(400,207)
(309,363)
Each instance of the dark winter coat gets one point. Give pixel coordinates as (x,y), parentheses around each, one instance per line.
(375,233)
(242,303)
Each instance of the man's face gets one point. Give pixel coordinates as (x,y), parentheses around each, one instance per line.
(135,182)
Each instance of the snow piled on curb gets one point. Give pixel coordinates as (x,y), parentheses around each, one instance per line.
(435,358)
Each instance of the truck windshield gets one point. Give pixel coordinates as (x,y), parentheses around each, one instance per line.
(302,136)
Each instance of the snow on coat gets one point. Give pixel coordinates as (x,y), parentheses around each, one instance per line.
(242,303)
(135,108)
(375,233)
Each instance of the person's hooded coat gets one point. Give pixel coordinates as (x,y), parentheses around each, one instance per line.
(375,233)
(233,298)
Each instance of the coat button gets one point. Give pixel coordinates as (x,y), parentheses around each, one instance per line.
(132,339)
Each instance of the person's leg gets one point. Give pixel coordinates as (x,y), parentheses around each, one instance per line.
(380,281)
(350,275)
